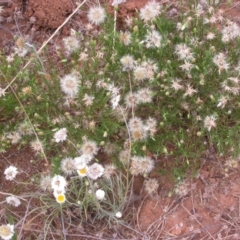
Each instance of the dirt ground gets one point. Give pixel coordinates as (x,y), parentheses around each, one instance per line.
(209,206)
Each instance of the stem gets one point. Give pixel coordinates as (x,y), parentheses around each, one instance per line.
(22,107)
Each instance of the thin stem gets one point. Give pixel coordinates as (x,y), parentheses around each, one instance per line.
(22,107)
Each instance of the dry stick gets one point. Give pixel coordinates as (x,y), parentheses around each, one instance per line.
(233,6)
(197,221)
(159,221)
(45,43)
(115,25)
(24,220)
(138,212)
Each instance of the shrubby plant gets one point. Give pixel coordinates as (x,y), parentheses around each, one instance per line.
(161,86)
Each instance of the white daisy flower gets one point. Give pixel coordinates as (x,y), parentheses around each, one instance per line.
(59,196)
(10,173)
(82,172)
(95,171)
(13,200)
(6,231)
(82,161)
(58,183)
(117,2)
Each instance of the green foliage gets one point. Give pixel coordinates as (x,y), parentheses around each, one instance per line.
(165,87)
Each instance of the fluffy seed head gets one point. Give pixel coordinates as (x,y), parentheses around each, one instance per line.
(124,156)
(15,137)
(221,62)
(230,32)
(69,85)
(210,122)
(135,123)
(131,100)
(125,37)
(96,15)
(68,166)
(182,188)
(109,170)
(153,39)
(109,148)
(151,126)
(37,146)
(71,43)
(89,148)
(25,129)
(150,11)
(139,134)
(127,62)
(210,36)
(46,183)
(117,2)
(141,165)
(139,73)
(183,52)
(151,186)
(144,95)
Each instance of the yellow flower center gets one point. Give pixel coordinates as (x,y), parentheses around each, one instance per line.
(5,231)
(137,135)
(61,198)
(82,171)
